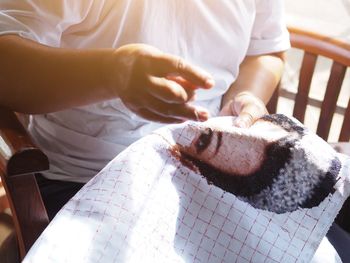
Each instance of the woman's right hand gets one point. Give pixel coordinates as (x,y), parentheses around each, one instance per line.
(159,86)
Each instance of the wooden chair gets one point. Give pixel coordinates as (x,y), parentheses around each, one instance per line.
(315,45)
(20,159)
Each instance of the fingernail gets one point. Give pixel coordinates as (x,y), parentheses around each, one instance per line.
(209,83)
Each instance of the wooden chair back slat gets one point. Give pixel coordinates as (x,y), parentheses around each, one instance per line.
(345,130)
(330,99)
(305,78)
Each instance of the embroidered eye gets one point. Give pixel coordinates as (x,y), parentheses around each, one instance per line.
(204,140)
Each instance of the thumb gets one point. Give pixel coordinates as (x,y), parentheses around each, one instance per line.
(250,113)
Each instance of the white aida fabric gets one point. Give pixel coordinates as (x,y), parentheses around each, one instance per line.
(146,206)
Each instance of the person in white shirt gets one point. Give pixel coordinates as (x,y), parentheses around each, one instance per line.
(98,75)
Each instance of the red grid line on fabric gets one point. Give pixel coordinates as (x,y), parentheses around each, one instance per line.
(231,235)
(121,210)
(255,251)
(214,209)
(254,248)
(210,221)
(301,228)
(298,223)
(327,207)
(221,230)
(277,248)
(201,205)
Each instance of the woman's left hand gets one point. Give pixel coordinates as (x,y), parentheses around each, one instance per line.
(246,106)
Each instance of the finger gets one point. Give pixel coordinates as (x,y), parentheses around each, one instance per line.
(170,64)
(188,86)
(248,115)
(181,111)
(183,82)
(168,90)
(151,116)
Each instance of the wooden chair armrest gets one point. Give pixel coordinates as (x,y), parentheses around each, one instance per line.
(319,44)
(18,153)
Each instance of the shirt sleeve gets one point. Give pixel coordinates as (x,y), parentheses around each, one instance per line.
(42,21)
(269,33)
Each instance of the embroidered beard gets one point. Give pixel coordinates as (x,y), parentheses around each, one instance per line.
(275,165)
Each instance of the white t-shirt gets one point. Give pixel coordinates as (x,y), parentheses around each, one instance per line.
(213,34)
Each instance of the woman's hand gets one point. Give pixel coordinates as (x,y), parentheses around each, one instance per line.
(159,86)
(247,107)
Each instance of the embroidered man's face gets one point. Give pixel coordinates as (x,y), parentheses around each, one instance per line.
(276,165)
